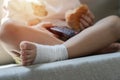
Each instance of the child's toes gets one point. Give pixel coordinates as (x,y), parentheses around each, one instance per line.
(23,58)
(29,62)
(27,45)
(27,56)
(28,52)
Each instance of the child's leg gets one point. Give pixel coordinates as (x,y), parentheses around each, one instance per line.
(94,38)
(13,33)
(90,40)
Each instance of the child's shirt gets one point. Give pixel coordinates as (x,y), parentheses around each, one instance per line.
(25,10)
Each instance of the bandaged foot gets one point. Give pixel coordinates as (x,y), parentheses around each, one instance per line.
(32,53)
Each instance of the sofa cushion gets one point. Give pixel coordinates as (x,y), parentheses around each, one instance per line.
(100,67)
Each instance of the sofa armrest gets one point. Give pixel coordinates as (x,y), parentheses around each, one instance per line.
(99,67)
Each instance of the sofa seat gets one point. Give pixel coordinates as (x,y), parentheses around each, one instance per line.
(97,67)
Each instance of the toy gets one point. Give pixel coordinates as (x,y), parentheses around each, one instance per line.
(73,17)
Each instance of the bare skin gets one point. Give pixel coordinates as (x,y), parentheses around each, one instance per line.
(12,33)
(94,38)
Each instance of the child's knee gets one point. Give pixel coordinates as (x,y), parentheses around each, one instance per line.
(115,16)
(115,20)
(7,30)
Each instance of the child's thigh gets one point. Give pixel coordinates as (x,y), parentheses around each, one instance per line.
(13,33)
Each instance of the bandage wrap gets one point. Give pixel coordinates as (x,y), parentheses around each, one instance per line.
(46,53)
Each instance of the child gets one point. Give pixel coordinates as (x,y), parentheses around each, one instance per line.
(88,41)
(12,34)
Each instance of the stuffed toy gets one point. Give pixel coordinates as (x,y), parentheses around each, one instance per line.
(73,17)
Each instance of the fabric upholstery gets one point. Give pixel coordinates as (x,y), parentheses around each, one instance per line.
(100,67)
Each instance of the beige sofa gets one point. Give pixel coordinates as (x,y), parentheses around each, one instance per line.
(99,67)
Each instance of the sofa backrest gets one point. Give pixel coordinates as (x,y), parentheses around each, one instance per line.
(103,8)
(119,7)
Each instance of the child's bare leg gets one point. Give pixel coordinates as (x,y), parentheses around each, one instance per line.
(88,41)
(13,33)
(94,38)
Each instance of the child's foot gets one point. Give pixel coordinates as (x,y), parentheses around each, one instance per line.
(32,53)
(28,52)
(114,47)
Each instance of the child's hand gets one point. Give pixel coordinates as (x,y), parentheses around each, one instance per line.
(79,18)
(45,26)
(87,20)
(33,22)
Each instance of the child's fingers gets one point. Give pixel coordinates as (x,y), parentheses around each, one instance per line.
(87,21)
(84,23)
(46,25)
(91,16)
(82,26)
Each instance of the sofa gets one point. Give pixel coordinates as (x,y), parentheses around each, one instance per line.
(94,67)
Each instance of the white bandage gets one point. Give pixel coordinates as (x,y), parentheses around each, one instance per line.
(46,53)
